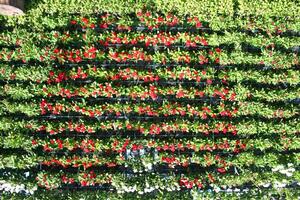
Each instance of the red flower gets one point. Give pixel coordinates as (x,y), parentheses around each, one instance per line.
(111,164)
(92,26)
(180,94)
(204,42)
(221,170)
(172,148)
(59,143)
(83,183)
(85,20)
(73,22)
(198,25)
(104,26)
(64,179)
(91,113)
(153,95)
(209,82)
(211,178)
(129,126)
(234,132)
(56,50)
(165,147)
(183,181)
(71,180)
(34,142)
(232,97)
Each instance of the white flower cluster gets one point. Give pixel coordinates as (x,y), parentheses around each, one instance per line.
(126,189)
(148,167)
(229,190)
(15,188)
(278,184)
(287,171)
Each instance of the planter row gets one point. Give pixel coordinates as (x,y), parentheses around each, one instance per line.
(159,168)
(173,30)
(254,49)
(161,82)
(243,188)
(161,47)
(248,83)
(77,117)
(267,86)
(146,65)
(153,152)
(257,32)
(140,45)
(277,103)
(123,99)
(160,13)
(138,135)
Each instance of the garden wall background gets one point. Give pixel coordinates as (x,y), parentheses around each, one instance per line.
(150,100)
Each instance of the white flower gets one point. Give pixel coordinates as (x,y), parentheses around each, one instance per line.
(26,174)
(149,166)
(279,167)
(217,189)
(289,174)
(279,185)
(134,188)
(246,190)
(237,190)
(267,185)
(283,171)
(229,190)
(292,169)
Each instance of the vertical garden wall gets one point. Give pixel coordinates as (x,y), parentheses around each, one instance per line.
(150,100)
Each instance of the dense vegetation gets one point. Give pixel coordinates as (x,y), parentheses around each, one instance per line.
(150,99)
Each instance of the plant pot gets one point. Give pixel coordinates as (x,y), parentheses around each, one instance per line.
(11,7)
